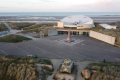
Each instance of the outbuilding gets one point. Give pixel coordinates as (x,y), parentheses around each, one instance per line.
(107,26)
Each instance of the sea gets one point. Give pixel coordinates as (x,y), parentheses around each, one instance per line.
(59,13)
(56,16)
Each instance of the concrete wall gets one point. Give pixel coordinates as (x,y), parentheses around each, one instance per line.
(103,37)
(60,24)
(52,32)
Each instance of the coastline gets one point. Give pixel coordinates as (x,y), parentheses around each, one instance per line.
(40,19)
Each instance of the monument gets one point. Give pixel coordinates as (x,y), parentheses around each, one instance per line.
(69,38)
(69,41)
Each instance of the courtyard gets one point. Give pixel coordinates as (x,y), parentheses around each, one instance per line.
(88,49)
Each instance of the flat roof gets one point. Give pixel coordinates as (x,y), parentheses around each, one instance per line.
(107,26)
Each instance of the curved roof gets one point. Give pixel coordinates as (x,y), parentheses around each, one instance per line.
(77,19)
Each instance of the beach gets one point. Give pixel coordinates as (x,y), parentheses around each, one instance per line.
(39,19)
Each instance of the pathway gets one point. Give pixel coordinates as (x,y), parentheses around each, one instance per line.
(13,31)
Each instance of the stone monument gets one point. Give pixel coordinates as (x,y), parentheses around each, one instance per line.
(69,39)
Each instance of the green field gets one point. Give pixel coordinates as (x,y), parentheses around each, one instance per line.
(13,38)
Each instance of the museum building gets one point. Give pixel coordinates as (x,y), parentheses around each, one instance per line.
(76,22)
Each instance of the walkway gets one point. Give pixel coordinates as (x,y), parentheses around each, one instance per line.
(13,31)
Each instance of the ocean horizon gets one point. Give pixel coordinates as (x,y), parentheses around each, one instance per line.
(59,13)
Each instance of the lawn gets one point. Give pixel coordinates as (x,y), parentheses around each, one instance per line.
(13,38)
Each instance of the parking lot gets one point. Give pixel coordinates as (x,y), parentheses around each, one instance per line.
(89,49)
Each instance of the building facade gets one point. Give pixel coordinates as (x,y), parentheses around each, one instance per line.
(76,22)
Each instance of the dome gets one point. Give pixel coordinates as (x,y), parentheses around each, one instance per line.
(77,19)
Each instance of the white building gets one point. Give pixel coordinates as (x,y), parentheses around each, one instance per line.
(107,26)
(76,22)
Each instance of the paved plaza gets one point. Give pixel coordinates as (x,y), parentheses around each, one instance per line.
(75,41)
(88,49)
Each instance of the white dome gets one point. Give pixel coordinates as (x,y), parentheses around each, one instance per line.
(79,19)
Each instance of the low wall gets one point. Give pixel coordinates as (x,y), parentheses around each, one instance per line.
(40,65)
(102,37)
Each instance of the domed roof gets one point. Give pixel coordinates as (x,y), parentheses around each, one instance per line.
(79,19)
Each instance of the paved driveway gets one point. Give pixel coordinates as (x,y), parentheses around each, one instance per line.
(90,49)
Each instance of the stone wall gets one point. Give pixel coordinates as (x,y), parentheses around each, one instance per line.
(40,65)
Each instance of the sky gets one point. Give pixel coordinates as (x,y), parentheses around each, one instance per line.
(59,5)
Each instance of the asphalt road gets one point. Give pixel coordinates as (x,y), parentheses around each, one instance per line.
(90,49)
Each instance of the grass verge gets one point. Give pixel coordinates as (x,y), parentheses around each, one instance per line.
(13,38)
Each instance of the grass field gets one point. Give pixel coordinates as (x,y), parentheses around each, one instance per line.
(13,38)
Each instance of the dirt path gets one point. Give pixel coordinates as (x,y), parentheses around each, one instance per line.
(81,65)
(56,64)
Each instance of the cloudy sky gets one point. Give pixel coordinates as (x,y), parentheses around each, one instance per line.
(59,5)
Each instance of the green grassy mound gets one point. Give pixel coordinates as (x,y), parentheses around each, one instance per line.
(13,38)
